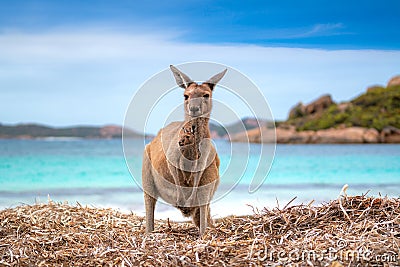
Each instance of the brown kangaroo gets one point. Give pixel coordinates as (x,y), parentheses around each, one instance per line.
(180,164)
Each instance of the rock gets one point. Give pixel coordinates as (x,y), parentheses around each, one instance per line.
(394,81)
(342,107)
(251,123)
(303,137)
(371,136)
(351,135)
(341,136)
(268,135)
(252,136)
(256,135)
(283,136)
(390,134)
(374,88)
(291,136)
(319,105)
(316,106)
(297,111)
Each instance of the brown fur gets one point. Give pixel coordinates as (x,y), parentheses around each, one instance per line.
(180,165)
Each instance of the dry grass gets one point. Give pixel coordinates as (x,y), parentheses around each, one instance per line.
(355,231)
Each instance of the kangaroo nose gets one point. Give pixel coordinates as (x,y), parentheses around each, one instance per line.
(194,108)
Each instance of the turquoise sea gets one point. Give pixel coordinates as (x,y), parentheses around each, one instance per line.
(94,173)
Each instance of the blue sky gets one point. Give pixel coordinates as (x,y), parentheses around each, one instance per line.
(79,62)
(322,24)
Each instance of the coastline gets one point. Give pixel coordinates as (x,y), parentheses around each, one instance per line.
(280,135)
(259,132)
(347,231)
(341,135)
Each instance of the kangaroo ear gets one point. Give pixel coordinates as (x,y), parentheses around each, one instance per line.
(215,79)
(181,78)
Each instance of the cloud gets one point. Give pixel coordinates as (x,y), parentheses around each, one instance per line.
(289,35)
(329,29)
(88,77)
(75,46)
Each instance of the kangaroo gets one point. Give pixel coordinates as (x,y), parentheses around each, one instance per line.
(180,164)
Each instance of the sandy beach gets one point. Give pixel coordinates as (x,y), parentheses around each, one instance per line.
(350,231)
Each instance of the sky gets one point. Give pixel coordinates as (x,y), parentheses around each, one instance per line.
(74,62)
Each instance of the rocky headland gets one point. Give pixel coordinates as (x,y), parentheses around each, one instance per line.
(372,117)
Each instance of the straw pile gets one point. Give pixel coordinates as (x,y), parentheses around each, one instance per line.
(351,231)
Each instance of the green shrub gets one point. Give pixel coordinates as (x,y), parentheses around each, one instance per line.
(377,109)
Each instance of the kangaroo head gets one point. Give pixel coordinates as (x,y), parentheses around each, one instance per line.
(197,97)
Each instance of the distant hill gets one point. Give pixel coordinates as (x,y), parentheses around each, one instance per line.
(28,131)
(378,107)
(218,131)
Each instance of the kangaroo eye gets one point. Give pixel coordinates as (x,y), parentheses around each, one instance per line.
(186,97)
(206,95)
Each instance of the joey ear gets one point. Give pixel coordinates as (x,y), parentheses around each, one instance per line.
(215,79)
(181,78)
